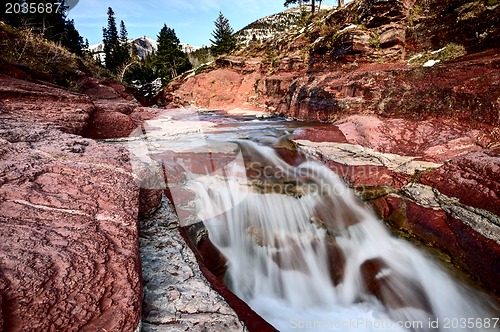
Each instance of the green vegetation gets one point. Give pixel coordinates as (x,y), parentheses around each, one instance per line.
(116,48)
(415,12)
(121,57)
(271,58)
(170,60)
(470,10)
(45,57)
(200,56)
(452,51)
(224,39)
(449,52)
(374,40)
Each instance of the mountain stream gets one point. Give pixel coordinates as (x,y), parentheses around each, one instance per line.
(302,249)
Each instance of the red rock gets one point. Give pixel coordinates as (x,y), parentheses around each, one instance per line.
(116,113)
(68,215)
(212,258)
(109,124)
(474,178)
(320,134)
(432,140)
(68,239)
(103,89)
(441,22)
(477,255)
(200,163)
(44,103)
(392,289)
(336,261)
(474,253)
(368,175)
(149,201)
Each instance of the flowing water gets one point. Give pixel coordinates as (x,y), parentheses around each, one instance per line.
(305,253)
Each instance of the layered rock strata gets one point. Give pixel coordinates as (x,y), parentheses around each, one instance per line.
(430,180)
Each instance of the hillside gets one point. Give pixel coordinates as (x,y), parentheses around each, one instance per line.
(357,49)
(273,25)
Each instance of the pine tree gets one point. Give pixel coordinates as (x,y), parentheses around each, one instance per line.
(72,39)
(123,51)
(170,60)
(224,40)
(116,49)
(110,40)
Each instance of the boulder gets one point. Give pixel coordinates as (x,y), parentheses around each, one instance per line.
(109,124)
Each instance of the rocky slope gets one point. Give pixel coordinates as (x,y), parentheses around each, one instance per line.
(411,89)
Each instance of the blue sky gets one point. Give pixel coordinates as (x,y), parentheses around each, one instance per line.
(193,21)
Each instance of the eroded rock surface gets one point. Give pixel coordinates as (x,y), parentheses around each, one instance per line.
(44,103)
(474,178)
(176,294)
(69,206)
(116,113)
(68,239)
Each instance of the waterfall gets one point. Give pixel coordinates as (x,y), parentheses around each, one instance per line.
(304,252)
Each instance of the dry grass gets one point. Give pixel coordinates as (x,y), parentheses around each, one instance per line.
(31,50)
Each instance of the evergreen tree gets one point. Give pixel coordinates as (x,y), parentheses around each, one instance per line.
(116,49)
(123,32)
(170,60)
(123,51)
(224,40)
(72,39)
(111,42)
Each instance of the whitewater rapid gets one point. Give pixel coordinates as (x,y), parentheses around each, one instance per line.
(305,253)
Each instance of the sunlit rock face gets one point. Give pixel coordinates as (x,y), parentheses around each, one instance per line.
(69,208)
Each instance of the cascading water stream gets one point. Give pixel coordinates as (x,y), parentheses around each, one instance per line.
(304,252)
